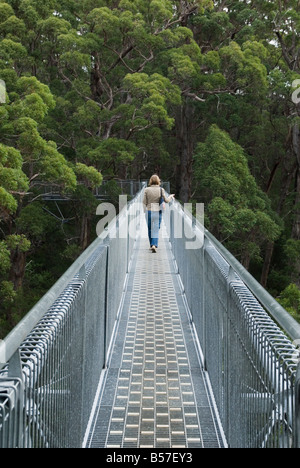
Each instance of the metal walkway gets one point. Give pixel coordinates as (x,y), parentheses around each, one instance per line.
(155,392)
(109,357)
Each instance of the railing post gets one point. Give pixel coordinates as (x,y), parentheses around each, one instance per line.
(15,372)
(297,410)
(227,346)
(128,221)
(172,227)
(82,278)
(106,343)
(204,337)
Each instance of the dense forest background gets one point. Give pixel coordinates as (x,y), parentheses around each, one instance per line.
(202,92)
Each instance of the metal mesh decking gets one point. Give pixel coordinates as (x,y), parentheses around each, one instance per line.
(155,392)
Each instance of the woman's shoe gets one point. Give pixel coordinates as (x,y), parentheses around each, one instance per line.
(153,249)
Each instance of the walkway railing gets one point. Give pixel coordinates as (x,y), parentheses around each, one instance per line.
(52,362)
(109,189)
(251,362)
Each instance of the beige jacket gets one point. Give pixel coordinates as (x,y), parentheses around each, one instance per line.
(152,197)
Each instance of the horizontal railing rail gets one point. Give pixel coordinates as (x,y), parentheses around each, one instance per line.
(272,306)
(109,189)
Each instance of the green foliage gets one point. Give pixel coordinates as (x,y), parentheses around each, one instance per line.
(89,175)
(12,178)
(7,294)
(151,95)
(18,242)
(245,66)
(34,222)
(237,208)
(111,154)
(290,300)
(4,258)
(198,91)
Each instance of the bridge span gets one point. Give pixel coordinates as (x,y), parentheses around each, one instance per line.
(130,349)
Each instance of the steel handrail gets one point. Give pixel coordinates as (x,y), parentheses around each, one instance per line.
(272,306)
(279,314)
(10,344)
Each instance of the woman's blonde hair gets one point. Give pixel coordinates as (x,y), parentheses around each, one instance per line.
(155,180)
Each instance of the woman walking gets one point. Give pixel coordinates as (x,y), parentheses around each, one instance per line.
(153,198)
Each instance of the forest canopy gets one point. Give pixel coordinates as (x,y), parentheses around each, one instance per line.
(203,92)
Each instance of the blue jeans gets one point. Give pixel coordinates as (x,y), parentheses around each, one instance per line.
(154,219)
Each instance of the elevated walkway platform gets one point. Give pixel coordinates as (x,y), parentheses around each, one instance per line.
(155,393)
(110,356)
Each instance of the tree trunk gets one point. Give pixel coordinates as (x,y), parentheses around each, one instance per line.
(296,226)
(267,264)
(286,182)
(296,147)
(85,233)
(185,147)
(18,266)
